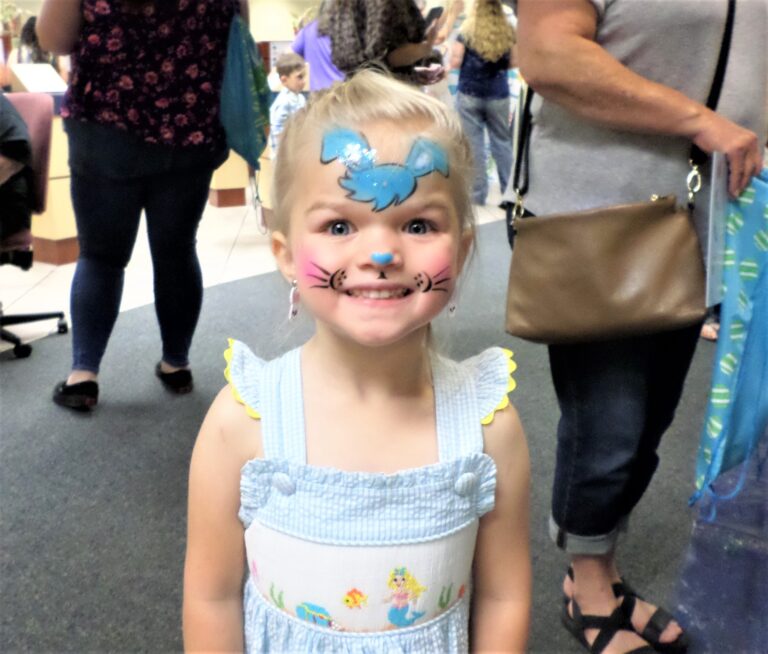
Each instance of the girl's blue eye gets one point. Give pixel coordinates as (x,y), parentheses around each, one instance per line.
(339,228)
(418,226)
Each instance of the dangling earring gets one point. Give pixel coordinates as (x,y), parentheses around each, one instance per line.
(453,304)
(293,300)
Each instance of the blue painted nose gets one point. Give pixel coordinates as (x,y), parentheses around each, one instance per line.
(382,258)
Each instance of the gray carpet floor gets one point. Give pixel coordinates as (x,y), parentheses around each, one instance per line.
(92,507)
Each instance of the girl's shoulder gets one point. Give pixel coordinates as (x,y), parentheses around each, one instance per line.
(244,372)
(260,385)
(503,435)
(484,381)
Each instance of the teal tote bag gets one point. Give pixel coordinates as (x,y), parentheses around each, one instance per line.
(737,415)
(244,108)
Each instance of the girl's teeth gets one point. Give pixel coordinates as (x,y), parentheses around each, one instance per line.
(379,295)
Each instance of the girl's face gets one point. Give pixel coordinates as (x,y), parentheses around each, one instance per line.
(377,259)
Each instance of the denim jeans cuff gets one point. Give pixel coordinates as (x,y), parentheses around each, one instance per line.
(586,545)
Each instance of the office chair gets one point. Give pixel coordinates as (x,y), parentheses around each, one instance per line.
(37,111)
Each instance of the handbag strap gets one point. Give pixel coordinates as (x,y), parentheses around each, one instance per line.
(697,156)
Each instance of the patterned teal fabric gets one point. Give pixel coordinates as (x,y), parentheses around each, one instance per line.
(330,506)
(737,416)
(245,95)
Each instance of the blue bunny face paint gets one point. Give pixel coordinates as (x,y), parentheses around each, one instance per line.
(381,184)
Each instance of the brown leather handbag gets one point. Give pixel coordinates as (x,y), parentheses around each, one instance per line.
(610,272)
(606,273)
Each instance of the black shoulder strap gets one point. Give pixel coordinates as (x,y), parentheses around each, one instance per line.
(697,155)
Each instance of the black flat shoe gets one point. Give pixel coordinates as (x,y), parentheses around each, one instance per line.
(80,397)
(179,382)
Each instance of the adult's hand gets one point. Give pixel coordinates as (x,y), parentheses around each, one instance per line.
(428,75)
(740,146)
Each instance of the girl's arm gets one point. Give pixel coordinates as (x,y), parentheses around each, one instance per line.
(215,561)
(457,55)
(58,25)
(451,15)
(560,59)
(502,569)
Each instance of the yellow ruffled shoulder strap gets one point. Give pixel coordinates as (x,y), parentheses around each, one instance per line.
(511,384)
(242,373)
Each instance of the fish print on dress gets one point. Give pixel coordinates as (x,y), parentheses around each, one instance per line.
(355,599)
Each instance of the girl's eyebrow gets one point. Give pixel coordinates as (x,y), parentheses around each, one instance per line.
(434,204)
(341,206)
(325,204)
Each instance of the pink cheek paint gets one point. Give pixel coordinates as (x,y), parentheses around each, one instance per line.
(304,265)
(316,276)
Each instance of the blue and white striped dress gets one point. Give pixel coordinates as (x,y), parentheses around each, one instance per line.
(363,562)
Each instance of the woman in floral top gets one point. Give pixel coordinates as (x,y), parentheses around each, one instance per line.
(142,119)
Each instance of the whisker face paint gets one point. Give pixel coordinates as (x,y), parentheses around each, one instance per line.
(380,184)
(332,280)
(426,283)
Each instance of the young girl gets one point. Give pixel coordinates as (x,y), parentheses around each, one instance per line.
(361,485)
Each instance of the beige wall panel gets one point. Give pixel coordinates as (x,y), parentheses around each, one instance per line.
(58,220)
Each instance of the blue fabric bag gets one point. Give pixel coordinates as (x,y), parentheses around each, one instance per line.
(737,416)
(244,110)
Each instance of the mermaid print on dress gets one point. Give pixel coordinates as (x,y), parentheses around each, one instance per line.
(406,591)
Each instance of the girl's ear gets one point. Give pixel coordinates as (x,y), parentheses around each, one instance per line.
(465,246)
(283,255)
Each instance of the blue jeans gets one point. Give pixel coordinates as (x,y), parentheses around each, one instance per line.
(616,400)
(477,115)
(114,178)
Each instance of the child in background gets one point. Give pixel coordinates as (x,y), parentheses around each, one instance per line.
(292,70)
(364,486)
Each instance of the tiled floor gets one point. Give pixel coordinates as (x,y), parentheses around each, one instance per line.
(230,246)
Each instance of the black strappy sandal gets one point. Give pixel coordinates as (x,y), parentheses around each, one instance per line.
(656,625)
(607,626)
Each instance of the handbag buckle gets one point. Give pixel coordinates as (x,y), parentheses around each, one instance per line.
(693,182)
(517,208)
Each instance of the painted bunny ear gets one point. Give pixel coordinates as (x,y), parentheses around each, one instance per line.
(349,147)
(425,157)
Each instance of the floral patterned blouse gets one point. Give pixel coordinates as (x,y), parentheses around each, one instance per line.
(155,72)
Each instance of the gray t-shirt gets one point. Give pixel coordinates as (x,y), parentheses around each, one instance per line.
(576,164)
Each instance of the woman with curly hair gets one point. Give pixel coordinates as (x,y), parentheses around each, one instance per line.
(483,52)
(390,34)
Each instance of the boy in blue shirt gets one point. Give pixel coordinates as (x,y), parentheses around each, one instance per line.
(292,70)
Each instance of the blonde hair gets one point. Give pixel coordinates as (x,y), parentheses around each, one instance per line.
(487,30)
(370,97)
